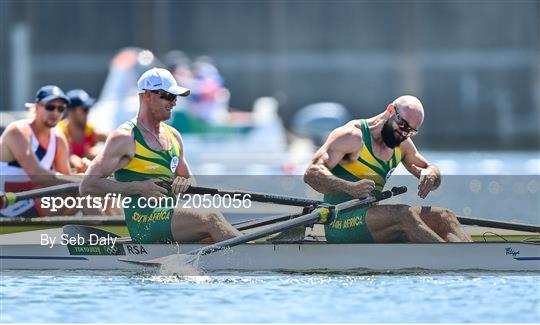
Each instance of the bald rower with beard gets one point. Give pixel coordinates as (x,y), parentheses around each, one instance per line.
(358,158)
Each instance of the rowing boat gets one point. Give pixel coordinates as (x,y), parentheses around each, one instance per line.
(25,251)
(92,248)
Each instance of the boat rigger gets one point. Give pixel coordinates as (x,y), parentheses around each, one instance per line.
(26,250)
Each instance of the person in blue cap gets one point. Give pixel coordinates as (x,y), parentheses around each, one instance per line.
(33,152)
(80,134)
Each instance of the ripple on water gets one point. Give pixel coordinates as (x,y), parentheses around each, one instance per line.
(270,297)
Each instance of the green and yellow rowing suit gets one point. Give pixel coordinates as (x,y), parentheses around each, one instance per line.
(350,227)
(149,225)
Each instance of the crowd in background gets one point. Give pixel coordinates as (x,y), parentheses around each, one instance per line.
(60,140)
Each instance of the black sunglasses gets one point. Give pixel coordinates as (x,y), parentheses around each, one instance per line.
(404,125)
(59,108)
(164,95)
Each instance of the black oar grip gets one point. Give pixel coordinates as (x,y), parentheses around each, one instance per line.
(378,195)
(166,185)
(202,190)
(398,190)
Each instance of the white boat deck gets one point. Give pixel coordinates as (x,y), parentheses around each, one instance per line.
(24,251)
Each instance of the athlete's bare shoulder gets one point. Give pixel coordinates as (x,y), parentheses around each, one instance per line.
(123,130)
(16,138)
(344,142)
(348,136)
(407,147)
(176,133)
(121,141)
(21,127)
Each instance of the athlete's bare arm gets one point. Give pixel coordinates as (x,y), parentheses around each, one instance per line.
(17,145)
(118,151)
(343,145)
(184,179)
(183,167)
(61,160)
(416,164)
(99,137)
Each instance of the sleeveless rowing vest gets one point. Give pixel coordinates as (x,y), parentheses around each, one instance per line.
(366,166)
(14,179)
(149,163)
(145,224)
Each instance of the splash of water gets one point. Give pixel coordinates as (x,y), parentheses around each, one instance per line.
(180,265)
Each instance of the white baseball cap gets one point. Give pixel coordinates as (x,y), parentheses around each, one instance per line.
(157,78)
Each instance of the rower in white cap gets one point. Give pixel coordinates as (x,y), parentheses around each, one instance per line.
(141,153)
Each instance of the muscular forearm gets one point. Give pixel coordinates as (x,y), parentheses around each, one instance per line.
(323,181)
(49,178)
(95,185)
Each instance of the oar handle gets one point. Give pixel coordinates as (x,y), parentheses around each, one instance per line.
(397,190)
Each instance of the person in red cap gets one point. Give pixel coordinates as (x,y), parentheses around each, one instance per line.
(33,152)
(80,134)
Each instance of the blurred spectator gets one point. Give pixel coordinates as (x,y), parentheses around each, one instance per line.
(81,135)
(179,65)
(209,99)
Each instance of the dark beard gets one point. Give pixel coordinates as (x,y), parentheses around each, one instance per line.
(389,137)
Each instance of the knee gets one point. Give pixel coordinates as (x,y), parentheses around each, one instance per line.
(213,218)
(448,216)
(408,216)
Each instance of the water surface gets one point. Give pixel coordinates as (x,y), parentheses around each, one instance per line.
(32,296)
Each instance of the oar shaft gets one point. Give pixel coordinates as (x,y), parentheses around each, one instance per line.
(264,221)
(305,219)
(259,222)
(10,197)
(299,221)
(498,224)
(258,197)
(52,190)
(255,196)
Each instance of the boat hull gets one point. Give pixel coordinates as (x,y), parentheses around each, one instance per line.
(307,256)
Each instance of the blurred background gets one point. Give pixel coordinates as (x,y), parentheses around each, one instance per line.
(474,64)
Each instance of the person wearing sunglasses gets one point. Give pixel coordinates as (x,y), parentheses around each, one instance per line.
(144,153)
(33,153)
(359,157)
(81,135)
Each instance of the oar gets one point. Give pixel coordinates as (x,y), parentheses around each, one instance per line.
(9,198)
(498,224)
(253,196)
(264,221)
(320,214)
